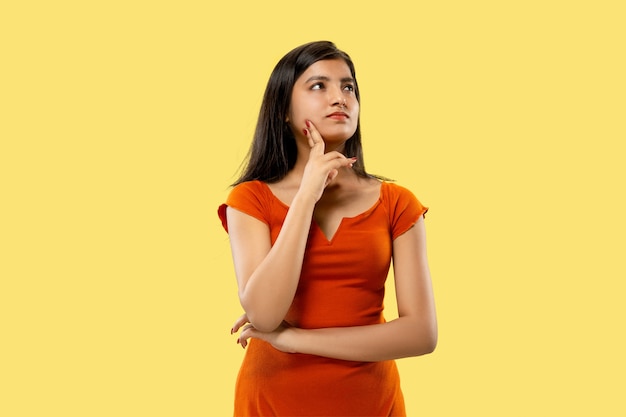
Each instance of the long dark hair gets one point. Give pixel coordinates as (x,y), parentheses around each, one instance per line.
(273,152)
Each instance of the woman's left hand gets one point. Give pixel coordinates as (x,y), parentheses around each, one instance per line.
(280,338)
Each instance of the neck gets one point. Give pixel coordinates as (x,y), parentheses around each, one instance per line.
(297,171)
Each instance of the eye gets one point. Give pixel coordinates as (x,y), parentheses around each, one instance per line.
(317,86)
(348,87)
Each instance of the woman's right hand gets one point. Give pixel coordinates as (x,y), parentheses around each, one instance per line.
(321,168)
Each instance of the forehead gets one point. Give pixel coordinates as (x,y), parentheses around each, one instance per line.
(329,68)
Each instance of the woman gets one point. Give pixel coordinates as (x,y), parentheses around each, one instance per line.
(312,237)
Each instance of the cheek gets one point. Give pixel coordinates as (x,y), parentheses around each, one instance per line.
(295,111)
(357,108)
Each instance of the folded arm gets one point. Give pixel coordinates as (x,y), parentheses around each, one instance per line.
(413,333)
(268,275)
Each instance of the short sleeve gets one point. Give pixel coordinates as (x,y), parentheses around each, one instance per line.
(248,198)
(405,209)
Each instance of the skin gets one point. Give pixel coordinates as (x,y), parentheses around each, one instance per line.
(323,115)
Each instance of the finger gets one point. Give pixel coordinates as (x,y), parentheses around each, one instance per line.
(243,341)
(243,319)
(308,137)
(246,333)
(313,132)
(334,170)
(331,176)
(332,155)
(338,161)
(315,137)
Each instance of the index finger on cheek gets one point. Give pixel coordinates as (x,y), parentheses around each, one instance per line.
(313,137)
(310,126)
(313,132)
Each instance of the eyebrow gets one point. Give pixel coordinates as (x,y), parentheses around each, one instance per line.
(325,78)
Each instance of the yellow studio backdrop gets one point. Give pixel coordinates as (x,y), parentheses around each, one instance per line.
(123,123)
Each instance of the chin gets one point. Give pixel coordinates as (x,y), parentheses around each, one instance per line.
(335,136)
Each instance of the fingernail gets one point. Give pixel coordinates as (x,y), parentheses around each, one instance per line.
(305,132)
(308,124)
(232,331)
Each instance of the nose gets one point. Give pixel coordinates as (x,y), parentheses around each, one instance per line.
(338,98)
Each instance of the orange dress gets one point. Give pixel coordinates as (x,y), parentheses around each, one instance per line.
(342,284)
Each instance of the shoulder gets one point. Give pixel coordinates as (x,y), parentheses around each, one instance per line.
(249,191)
(250,197)
(404,209)
(393,192)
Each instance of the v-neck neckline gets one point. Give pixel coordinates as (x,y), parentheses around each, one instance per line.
(344,219)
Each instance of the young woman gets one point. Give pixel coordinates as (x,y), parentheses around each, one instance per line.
(313,236)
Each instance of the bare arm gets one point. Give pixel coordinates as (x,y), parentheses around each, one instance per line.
(413,333)
(268,275)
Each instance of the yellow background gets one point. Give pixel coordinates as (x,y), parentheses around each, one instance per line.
(122,124)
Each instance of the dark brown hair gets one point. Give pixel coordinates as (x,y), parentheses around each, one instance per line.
(273,152)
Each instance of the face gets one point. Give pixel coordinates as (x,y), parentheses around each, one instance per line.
(325,95)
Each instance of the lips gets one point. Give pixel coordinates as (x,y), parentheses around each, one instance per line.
(338,115)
